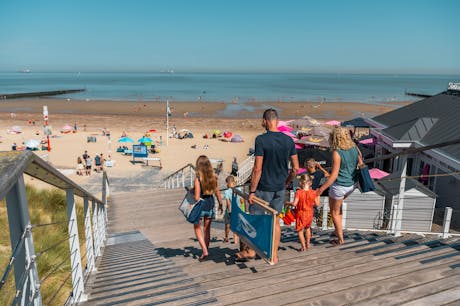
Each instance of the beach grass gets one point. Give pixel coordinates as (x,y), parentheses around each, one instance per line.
(45,206)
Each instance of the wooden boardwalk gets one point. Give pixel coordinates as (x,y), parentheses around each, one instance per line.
(151,258)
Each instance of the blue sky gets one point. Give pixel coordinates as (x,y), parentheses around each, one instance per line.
(237,36)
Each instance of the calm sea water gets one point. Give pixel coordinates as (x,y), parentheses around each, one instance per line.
(370,88)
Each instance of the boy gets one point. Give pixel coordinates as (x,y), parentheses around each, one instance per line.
(228,194)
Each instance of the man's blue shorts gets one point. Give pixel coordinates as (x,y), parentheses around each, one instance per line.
(274,198)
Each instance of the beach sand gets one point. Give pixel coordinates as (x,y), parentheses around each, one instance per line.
(135,118)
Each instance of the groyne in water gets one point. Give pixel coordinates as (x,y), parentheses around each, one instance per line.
(39,94)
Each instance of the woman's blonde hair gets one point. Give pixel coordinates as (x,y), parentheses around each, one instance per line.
(206,174)
(340,139)
(304,179)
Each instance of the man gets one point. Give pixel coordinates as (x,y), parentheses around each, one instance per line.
(317,172)
(270,175)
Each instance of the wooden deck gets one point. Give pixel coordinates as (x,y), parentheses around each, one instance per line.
(151,258)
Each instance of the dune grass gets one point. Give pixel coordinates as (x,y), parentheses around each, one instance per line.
(45,206)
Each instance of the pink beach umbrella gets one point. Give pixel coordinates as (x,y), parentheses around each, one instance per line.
(367,141)
(377,174)
(285,128)
(289,134)
(301,170)
(332,122)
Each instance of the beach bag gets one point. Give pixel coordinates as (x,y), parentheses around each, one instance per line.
(190,208)
(364,179)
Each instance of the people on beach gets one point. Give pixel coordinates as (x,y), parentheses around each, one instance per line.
(97,163)
(270,174)
(228,196)
(234,167)
(305,199)
(342,180)
(205,187)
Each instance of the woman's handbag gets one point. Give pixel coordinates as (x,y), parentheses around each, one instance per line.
(190,208)
(364,179)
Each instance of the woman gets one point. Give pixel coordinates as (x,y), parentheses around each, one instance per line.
(205,186)
(80,166)
(342,181)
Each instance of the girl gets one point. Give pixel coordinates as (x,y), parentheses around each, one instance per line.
(205,186)
(342,181)
(305,199)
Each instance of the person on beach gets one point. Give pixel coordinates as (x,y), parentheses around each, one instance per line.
(204,188)
(80,166)
(234,167)
(342,181)
(304,201)
(88,162)
(270,175)
(228,196)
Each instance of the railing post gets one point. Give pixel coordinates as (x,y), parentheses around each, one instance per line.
(89,237)
(402,189)
(75,256)
(96,228)
(344,215)
(25,264)
(191,176)
(325,209)
(183,178)
(446,223)
(394,219)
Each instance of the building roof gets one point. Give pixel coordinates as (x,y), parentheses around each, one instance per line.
(390,184)
(429,121)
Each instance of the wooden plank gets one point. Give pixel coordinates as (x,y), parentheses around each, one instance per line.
(392,291)
(446,280)
(443,297)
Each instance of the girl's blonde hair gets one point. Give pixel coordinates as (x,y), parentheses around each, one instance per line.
(340,139)
(304,180)
(205,172)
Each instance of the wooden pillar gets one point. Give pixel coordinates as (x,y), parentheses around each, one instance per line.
(402,189)
(25,267)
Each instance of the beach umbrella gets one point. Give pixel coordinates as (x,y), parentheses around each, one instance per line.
(284,128)
(358,122)
(32,143)
(145,139)
(332,122)
(152,130)
(368,141)
(289,134)
(377,173)
(125,139)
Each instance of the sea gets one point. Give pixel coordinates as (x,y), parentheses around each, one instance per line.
(229,87)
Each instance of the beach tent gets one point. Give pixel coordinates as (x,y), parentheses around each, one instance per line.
(66,129)
(228,134)
(32,143)
(237,138)
(16,129)
(184,133)
(125,139)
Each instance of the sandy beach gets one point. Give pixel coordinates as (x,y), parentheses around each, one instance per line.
(134,118)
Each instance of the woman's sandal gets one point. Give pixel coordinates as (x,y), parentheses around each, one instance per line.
(203,258)
(240,258)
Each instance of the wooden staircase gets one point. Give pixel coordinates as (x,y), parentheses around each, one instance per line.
(151,258)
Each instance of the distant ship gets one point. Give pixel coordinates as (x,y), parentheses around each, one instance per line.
(25,71)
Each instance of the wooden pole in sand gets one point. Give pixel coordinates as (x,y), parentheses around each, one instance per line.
(167,122)
(45,117)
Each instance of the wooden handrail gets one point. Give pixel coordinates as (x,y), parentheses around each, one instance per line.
(256,201)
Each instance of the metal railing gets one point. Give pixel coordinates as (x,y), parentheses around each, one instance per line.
(181,178)
(245,170)
(23,260)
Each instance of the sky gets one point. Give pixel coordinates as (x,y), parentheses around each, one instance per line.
(231,36)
